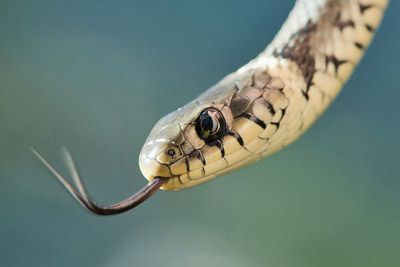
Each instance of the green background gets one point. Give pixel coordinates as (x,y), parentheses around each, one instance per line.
(96,75)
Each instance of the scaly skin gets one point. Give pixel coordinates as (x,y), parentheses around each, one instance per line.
(272,100)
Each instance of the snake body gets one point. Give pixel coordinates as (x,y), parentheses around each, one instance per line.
(269,102)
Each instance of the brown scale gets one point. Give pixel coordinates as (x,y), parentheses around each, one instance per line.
(298,50)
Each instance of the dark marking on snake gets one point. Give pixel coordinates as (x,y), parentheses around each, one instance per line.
(197,154)
(359,45)
(254,119)
(203,171)
(336,62)
(277,124)
(364,7)
(305,94)
(262,138)
(281,118)
(237,137)
(342,24)
(187,165)
(271,108)
(283,113)
(179,179)
(298,49)
(369,28)
(220,146)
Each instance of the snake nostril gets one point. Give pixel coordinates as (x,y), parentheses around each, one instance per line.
(171,152)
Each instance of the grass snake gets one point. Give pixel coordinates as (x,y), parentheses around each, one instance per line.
(257,110)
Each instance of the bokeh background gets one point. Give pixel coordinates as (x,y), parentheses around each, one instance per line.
(96,75)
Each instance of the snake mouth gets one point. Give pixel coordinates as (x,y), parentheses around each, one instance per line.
(152,169)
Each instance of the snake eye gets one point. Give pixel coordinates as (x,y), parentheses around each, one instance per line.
(210,124)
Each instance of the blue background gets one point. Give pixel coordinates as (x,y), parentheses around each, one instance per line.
(96,75)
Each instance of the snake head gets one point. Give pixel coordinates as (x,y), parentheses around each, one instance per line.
(182,143)
(165,152)
(219,132)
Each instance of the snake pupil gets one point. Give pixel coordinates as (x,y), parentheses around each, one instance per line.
(207,124)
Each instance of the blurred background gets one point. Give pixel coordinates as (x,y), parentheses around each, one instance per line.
(96,75)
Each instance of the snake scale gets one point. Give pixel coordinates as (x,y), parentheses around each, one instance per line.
(260,108)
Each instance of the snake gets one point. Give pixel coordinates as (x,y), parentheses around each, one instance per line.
(257,110)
